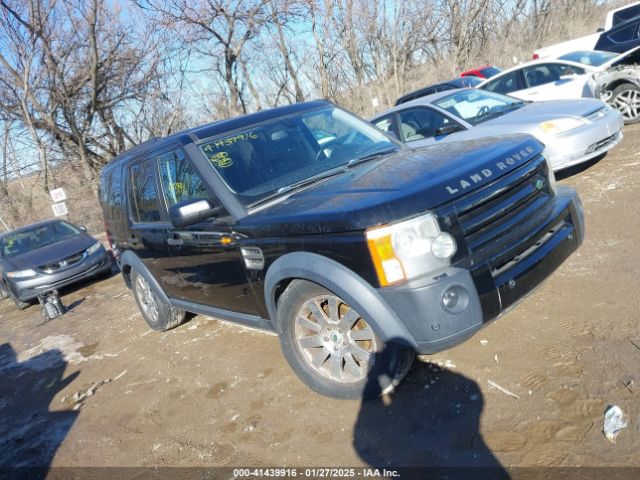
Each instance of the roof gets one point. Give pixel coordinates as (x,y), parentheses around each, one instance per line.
(213,129)
(243,121)
(458,82)
(536,62)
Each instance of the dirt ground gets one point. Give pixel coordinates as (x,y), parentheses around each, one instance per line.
(96,387)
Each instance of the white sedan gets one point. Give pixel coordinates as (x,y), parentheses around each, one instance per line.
(583,74)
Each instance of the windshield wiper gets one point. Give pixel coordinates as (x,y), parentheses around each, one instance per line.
(502,111)
(310,180)
(370,156)
(321,176)
(300,184)
(512,106)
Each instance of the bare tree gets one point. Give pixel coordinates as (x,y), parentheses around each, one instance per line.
(218,30)
(69,69)
(281,13)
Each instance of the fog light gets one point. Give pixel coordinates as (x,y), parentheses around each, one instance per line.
(443,246)
(450,299)
(455,299)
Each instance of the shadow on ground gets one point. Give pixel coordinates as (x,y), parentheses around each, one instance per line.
(30,433)
(431,421)
(581,167)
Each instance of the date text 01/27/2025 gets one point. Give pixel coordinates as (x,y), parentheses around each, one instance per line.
(242,473)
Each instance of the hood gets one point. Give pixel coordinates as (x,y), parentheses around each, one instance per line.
(629,57)
(536,112)
(51,253)
(393,187)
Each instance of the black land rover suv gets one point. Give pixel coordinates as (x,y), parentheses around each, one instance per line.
(307,221)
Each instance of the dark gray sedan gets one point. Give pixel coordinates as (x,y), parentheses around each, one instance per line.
(46,256)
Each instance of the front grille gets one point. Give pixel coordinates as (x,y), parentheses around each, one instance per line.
(64,263)
(495,219)
(602,143)
(524,191)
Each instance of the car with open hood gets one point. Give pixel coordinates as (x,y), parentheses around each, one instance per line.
(612,77)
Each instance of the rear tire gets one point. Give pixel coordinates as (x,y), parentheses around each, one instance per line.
(332,348)
(626,99)
(3,293)
(158,315)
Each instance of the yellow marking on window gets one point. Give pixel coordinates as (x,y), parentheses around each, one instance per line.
(221,159)
(225,142)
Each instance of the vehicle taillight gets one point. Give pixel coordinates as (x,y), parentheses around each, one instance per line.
(536,56)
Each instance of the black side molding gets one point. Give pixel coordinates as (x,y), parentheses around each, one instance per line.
(343,282)
(130,260)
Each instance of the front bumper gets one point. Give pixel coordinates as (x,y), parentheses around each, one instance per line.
(584,143)
(490,293)
(28,288)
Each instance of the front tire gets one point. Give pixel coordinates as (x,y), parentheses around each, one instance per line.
(626,99)
(158,315)
(332,348)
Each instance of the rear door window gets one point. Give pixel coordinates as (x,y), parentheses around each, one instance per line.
(540,74)
(418,123)
(111,193)
(180,181)
(505,84)
(144,204)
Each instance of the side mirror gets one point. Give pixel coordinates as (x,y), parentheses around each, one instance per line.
(600,30)
(190,212)
(84,229)
(447,130)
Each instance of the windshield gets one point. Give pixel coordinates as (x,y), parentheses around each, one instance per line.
(490,71)
(269,157)
(592,58)
(23,241)
(470,81)
(477,106)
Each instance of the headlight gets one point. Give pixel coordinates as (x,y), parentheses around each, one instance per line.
(22,273)
(408,249)
(94,248)
(560,125)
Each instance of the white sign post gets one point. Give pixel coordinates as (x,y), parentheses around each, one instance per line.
(58,195)
(59,209)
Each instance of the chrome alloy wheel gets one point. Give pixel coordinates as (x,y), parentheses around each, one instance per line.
(627,103)
(334,339)
(147,299)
